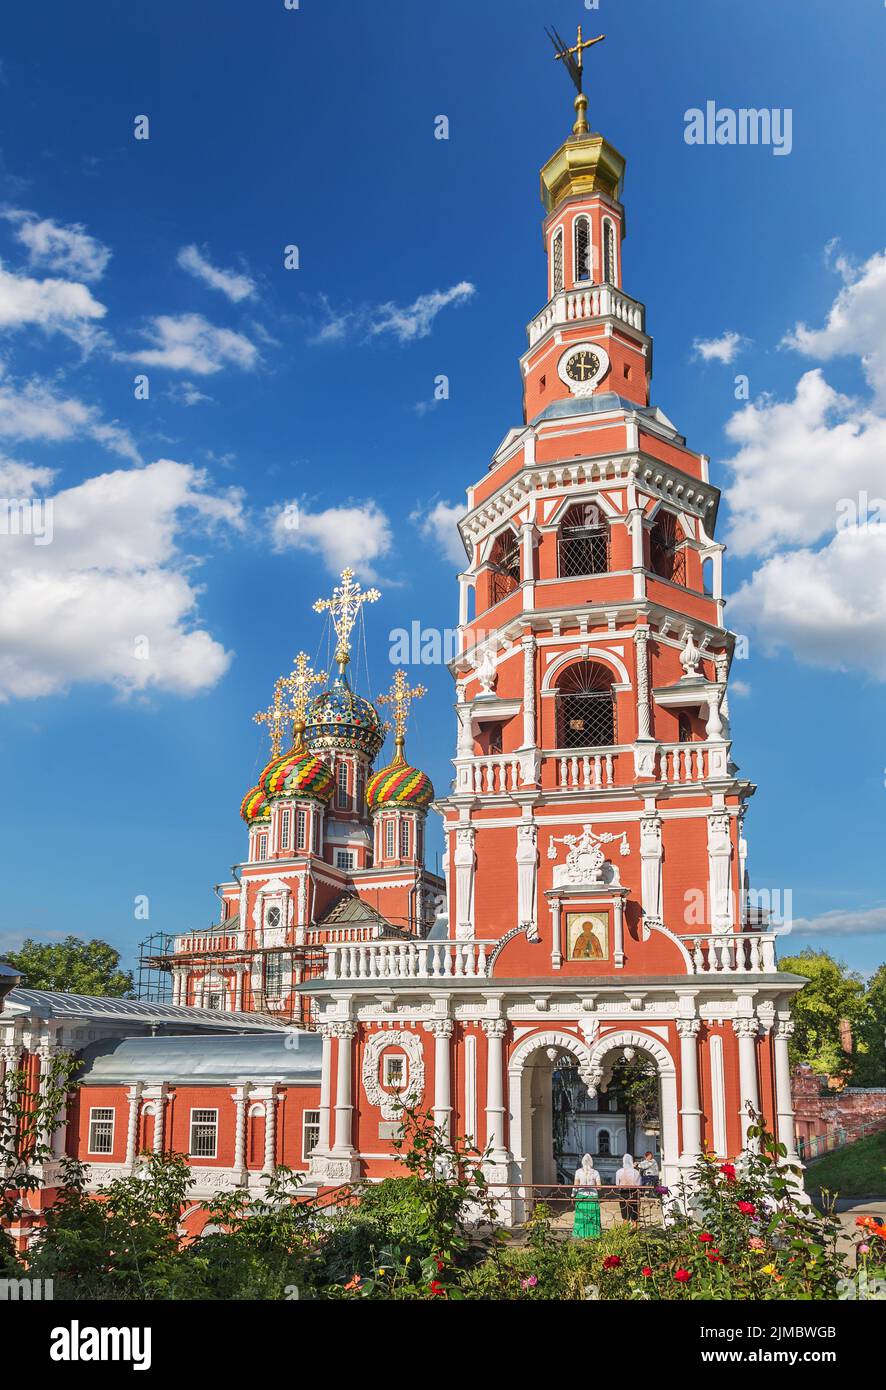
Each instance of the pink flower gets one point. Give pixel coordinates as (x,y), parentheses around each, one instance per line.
(682,1276)
(747,1208)
(756,1243)
(612,1262)
(864,1250)
(529,1283)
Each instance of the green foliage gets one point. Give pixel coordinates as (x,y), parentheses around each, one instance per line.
(870,1062)
(832,994)
(858,1170)
(27,1120)
(73,965)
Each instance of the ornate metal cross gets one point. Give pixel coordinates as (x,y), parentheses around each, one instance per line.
(276,716)
(344,606)
(400,698)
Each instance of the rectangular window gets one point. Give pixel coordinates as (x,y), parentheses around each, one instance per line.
(341,793)
(301,829)
(262,847)
(285,817)
(274,976)
(404,839)
(204,1133)
(361,790)
(395,1071)
(344,859)
(310,1133)
(101,1130)
(389,839)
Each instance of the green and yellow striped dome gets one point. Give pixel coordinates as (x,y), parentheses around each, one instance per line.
(399,785)
(254,806)
(298,774)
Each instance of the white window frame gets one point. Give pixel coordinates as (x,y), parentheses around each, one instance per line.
(389,838)
(109,1115)
(342,786)
(389,1061)
(301,828)
(203,1110)
(344,860)
(285,824)
(404,838)
(582,275)
(261,848)
(309,1124)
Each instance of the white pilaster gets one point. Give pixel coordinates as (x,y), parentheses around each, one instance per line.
(784,1102)
(746,1030)
(690,1109)
(441,1028)
(495,1030)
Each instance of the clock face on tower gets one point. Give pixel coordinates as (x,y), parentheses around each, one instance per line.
(581,366)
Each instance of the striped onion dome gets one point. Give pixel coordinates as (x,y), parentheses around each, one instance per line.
(254,806)
(298,774)
(399,785)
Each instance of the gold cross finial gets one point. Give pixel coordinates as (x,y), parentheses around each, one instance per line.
(299,684)
(573,60)
(276,716)
(400,698)
(344,606)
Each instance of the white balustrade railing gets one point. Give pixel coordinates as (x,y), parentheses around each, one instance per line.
(499,772)
(733,953)
(683,762)
(584,771)
(330,935)
(207,941)
(592,302)
(407,960)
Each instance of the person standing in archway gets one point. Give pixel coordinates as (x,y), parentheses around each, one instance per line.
(628,1180)
(586,1223)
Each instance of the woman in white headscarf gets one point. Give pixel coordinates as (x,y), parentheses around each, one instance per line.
(628,1180)
(586,1224)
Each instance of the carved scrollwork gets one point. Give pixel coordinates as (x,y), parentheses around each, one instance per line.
(389,1102)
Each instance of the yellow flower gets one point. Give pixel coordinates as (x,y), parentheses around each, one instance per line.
(769,1269)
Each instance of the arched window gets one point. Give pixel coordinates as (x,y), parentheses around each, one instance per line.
(608,253)
(604,1143)
(584,541)
(585,707)
(582,249)
(557,262)
(504,565)
(667,549)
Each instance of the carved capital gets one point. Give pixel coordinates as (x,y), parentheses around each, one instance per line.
(785,1028)
(745,1027)
(440,1027)
(343,1031)
(495,1027)
(688,1027)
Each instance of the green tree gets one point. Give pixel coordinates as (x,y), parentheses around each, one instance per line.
(870,1061)
(833,993)
(73,965)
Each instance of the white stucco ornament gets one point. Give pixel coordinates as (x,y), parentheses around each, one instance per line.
(390,1101)
(585,860)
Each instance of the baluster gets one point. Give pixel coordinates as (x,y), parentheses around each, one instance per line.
(331,965)
(447,958)
(573,772)
(481,958)
(586,771)
(609,770)
(698,956)
(562,771)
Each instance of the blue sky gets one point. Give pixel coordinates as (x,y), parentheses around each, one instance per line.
(269,386)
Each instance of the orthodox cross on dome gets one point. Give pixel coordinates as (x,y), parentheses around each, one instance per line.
(299,684)
(400,697)
(344,606)
(573,60)
(276,716)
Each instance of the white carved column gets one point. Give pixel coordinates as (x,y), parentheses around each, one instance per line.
(528,644)
(650,864)
(556,933)
(495,1030)
(465,865)
(133,1095)
(159,1119)
(322,1147)
(527,876)
(618,932)
(641,639)
(635,525)
(784,1101)
(690,1109)
(719,866)
(240,1096)
(441,1028)
(746,1030)
(239,971)
(270,1162)
(344,1101)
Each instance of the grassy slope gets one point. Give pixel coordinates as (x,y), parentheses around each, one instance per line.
(859,1170)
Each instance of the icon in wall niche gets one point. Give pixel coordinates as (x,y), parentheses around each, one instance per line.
(587,936)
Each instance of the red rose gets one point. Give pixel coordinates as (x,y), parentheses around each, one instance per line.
(728,1171)
(705,1236)
(646,1271)
(747,1208)
(436,1288)
(682,1276)
(612,1262)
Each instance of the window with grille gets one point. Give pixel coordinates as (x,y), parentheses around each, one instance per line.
(582,249)
(273,916)
(404,839)
(608,253)
(344,859)
(603,1142)
(274,976)
(389,839)
(557,273)
(341,795)
(583,541)
(285,819)
(504,565)
(667,549)
(101,1130)
(204,1133)
(301,829)
(585,707)
(310,1133)
(215,1000)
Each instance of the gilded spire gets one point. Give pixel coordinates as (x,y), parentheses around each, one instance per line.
(276,716)
(400,697)
(298,685)
(344,606)
(573,60)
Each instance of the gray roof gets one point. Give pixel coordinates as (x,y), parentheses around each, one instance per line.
(601,403)
(291,1057)
(48,1003)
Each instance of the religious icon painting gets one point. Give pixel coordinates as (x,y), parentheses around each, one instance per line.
(587,936)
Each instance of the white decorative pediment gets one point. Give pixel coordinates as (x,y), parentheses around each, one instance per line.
(390,1102)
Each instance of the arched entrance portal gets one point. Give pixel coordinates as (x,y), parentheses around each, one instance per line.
(551,1072)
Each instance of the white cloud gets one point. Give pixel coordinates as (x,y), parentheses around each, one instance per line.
(53,305)
(186,393)
(439,524)
(357,535)
(856,323)
(406,323)
(825,606)
(723,349)
(867,921)
(68,249)
(109,599)
(33,411)
(22,479)
(231,283)
(190,343)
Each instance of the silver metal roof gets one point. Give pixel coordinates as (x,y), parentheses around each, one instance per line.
(288,1057)
(47,1003)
